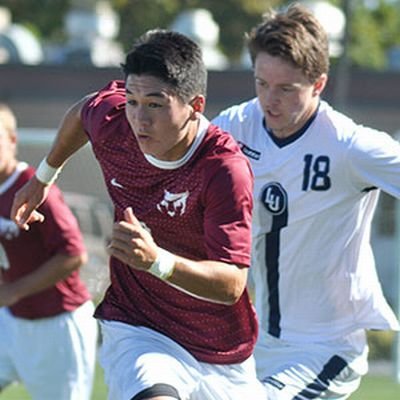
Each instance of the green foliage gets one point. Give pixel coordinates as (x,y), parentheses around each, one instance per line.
(365,48)
(44,18)
(374,30)
(233,16)
(380,344)
(374,24)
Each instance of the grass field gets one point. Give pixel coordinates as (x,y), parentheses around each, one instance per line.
(373,387)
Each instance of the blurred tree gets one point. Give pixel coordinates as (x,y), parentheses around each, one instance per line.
(375,25)
(44,18)
(233,16)
(375,29)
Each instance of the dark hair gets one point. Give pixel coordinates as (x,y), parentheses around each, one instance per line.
(171,57)
(296,36)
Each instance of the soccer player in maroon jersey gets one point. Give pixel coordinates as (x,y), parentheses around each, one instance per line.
(47,331)
(177,322)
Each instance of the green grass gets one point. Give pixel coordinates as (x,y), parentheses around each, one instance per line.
(377,387)
(18,392)
(373,387)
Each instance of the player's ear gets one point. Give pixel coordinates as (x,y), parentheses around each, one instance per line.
(198,105)
(320,84)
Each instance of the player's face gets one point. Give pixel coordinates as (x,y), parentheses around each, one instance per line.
(286,96)
(163,125)
(7,153)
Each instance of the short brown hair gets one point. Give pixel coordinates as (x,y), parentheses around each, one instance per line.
(296,36)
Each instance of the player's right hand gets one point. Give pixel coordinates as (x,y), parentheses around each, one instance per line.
(26,201)
(131,243)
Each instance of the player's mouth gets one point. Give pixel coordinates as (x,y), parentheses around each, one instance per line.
(272,114)
(143,137)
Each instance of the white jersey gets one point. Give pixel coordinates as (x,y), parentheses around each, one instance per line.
(315,196)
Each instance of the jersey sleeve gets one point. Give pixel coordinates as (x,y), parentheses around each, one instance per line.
(240,120)
(374,161)
(60,228)
(103,110)
(228,211)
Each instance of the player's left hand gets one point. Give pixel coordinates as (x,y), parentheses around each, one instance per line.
(131,243)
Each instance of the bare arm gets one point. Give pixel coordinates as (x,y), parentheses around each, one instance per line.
(70,138)
(47,275)
(211,280)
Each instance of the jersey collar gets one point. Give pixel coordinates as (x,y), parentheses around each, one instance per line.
(21,166)
(292,138)
(201,132)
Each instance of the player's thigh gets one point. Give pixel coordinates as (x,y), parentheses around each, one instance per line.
(138,359)
(8,340)
(294,383)
(61,356)
(310,371)
(231,381)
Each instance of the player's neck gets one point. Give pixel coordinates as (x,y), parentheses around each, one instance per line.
(187,141)
(8,170)
(293,130)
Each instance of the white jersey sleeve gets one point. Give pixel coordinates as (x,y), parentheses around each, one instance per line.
(374,158)
(314,200)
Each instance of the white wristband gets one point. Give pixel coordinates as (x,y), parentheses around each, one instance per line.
(47,174)
(164,266)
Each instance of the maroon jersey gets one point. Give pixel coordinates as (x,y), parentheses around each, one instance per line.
(199,210)
(28,250)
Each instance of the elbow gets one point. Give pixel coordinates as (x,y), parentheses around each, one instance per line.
(234,294)
(231,294)
(82,259)
(232,290)
(78,261)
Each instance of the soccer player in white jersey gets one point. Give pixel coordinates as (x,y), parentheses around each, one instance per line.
(317,180)
(177,321)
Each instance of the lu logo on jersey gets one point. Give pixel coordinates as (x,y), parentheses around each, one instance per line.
(274,198)
(173,204)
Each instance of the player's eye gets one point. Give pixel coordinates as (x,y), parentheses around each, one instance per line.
(288,89)
(154,105)
(261,83)
(131,102)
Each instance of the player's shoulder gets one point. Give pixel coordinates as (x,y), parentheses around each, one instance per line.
(335,124)
(242,121)
(220,143)
(239,113)
(113,88)
(354,141)
(104,112)
(109,96)
(222,150)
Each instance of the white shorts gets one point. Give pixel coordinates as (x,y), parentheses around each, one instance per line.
(53,357)
(136,359)
(330,370)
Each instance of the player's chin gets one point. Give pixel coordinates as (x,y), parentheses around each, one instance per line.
(147,147)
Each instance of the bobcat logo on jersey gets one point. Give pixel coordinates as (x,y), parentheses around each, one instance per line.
(173,203)
(274,198)
(8,228)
